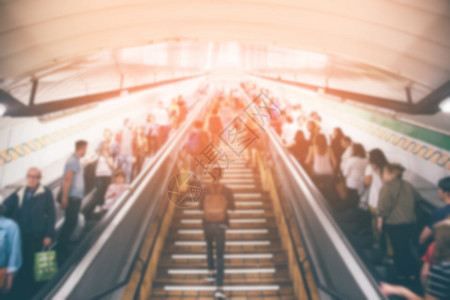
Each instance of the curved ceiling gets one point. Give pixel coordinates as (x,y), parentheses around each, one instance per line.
(409,38)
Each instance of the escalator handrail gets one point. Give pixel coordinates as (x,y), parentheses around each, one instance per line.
(306,245)
(301,262)
(123,205)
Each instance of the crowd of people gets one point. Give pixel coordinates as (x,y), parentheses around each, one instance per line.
(353,179)
(350,178)
(27,219)
(357,182)
(207,138)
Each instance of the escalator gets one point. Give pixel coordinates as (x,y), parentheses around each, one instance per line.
(256,265)
(282,243)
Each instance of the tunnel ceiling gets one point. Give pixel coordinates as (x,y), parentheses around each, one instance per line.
(377,48)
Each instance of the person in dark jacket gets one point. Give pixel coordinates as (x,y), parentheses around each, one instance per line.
(33,208)
(300,148)
(216,231)
(396,216)
(336,144)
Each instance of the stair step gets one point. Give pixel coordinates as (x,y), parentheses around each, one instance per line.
(229,236)
(229,279)
(275,246)
(190,270)
(236,292)
(233,180)
(247,220)
(239,211)
(226,256)
(244,262)
(256,265)
(228,231)
(191,223)
(255,259)
(229,243)
(190,211)
(237,175)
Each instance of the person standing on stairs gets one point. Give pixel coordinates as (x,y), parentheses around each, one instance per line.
(197,141)
(215,126)
(215,202)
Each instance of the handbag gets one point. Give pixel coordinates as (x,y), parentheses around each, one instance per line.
(2,278)
(59,195)
(341,187)
(45,265)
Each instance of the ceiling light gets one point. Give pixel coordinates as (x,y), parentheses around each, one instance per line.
(2,109)
(445,105)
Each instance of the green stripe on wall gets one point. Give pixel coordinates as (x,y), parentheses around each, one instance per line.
(432,137)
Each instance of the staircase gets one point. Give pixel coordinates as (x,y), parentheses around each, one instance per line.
(255,264)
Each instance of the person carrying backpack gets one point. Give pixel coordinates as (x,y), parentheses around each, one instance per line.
(197,141)
(215,202)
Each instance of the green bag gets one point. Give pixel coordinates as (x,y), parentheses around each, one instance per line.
(45,265)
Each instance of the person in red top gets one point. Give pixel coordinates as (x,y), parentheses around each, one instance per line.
(215,125)
(427,259)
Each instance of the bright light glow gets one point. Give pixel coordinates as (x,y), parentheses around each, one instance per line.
(444,106)
(228,54)
(278,57)
(154,55)
(2,109)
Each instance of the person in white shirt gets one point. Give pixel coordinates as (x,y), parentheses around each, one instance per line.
(151,131)
(353,169)
(127,150)
(161,115)
(296,112)
(103,173)
(322,165)
(346,143)
(373,181)
(288,131)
